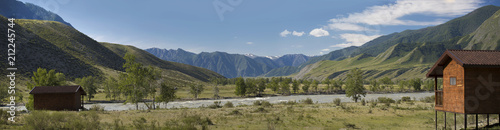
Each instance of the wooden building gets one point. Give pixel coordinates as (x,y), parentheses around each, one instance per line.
(58,97)
(471,83)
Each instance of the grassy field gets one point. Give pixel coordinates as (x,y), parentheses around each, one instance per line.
(291,115)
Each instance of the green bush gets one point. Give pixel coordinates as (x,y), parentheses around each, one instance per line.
(229,105)
(257,103)
(385,100)
(62,120)
(215,105)
(373,103)
(429,99)
(308,101)
(405,99)
(266,104)
(363,102)
(96,108)
(337,101)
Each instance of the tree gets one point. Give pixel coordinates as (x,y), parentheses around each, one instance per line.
(285,88)
(196,89)
(251,87)
(136,83)
(354,84)
(240,87)
(337,84)
(306,85)
(295,86)
(217,82)
(327,82)
(111,88)
(374,85)
(167,93)
(386,82)
(43,78)
(416,83)
(261,86)
(89,85)
(402,84)
(315,85)
(429,85)
(274,85)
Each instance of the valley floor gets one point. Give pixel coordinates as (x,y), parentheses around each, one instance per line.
(287,115)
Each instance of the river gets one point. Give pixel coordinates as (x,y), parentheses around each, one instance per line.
(249,101)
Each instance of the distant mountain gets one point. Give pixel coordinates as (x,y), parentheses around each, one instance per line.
(230,65)
(19,10)
(410,53)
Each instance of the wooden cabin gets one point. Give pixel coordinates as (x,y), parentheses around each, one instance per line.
(471,82)
(58,97)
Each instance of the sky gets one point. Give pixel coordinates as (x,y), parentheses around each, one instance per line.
(259,27)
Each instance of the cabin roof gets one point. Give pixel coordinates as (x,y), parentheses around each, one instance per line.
(466,58)
(57,89)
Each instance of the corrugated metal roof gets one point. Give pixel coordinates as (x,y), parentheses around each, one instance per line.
(57,89)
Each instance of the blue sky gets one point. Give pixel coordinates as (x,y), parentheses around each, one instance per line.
(260,27)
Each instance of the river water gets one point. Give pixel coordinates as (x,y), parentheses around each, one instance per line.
(249,101)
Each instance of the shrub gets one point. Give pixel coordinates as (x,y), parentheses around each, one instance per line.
(385,100)
(405,99)
(288,102)
(266,104)
(96,108)
(261,109)
(62,120)
(308,101)
(257,103)
(337,101)
(140,123)
(373,103)
(429,99)
(363,102)
(235,112)
(229,105)
(3,116)
(215,105)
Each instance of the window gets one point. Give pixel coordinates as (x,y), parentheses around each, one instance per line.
(453,81)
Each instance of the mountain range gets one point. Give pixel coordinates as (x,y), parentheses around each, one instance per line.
(229,65)
(401,55)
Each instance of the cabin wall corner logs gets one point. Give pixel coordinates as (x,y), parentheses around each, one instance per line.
(65,101)
(453,95)
(483,88)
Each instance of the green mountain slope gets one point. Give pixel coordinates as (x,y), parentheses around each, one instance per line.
(412,53)
(74,42)
(487,36)
(458,27)
(32,52)
(148,59)
(53,45)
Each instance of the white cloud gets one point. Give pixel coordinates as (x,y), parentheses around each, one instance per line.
(319,32)
(295,33)
(347,26)
(392,14)
(326,49)
(355,39)
(249,43)
(284,33)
